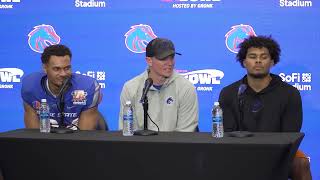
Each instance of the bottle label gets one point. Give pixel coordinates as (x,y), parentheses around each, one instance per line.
(44,116)
(216,119)
(128,123)
(128,117)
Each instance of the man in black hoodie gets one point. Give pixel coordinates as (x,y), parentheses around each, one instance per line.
(270,104)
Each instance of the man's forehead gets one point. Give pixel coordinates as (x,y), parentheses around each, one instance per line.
(60,65)
(59,60)
(256,50)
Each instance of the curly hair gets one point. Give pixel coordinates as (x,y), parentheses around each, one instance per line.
(259,42)
(55,50)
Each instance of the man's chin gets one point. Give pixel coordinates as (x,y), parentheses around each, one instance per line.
(258,75)
(58,84)
(167,75)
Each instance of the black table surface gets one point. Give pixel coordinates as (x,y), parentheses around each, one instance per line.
(29,154)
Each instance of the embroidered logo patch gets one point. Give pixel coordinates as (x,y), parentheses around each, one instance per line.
(36,105)
(79,97)
(170,100)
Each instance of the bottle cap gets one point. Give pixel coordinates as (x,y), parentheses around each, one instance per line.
(43,100)
(216,103)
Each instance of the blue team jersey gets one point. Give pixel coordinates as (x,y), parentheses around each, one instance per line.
(84,93)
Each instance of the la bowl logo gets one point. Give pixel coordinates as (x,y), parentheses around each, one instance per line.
(138,37)
(10,76)
(236,36)
(41,37)
(204,79)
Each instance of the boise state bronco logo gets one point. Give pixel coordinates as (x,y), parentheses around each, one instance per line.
(41,37)
(170,100)
(138,37)
(236,36)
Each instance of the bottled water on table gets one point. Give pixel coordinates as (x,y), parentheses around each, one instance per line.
(44,115)
(217,121)
(127,119)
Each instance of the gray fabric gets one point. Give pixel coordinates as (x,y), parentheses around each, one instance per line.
(180,114)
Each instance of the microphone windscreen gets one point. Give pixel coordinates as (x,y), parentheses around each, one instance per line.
(65,85)
(148,81)
(241,89)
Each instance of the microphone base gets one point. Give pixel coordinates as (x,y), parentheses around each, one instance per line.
(240,134)
(61,130)
(145,132)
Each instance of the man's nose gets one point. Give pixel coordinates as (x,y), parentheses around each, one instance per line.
(258,60)
(64,73)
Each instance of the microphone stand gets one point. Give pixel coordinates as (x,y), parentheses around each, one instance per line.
(240,133)
(145,131)
(62,129)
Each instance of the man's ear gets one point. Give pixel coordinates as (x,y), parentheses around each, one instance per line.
(244,63)
(272,63)
(44,67)
(149,61)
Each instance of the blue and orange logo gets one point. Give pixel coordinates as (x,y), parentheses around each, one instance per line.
(36,105)
(236,36)
(138,37)
(41,37)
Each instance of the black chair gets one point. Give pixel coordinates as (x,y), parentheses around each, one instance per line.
(197,129)
(1,177)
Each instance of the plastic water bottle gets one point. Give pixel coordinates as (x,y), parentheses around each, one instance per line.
(44,117)
(217,121)
(127,119)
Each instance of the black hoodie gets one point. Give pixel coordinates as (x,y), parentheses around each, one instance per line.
(276,108)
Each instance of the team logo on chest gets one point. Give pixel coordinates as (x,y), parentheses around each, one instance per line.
(170,100)
(79,97)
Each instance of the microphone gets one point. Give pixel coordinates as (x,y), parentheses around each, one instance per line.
(62,129)
(64,87)
(144,100)
(147,84)
(240,134)
(241,90)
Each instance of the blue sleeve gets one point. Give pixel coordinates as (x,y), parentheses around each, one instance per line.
(26,92)
(93,96)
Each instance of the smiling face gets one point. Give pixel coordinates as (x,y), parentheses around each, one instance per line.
(160,69)
(57,69)
(258,62)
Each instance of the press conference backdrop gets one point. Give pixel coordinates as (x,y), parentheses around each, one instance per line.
(108,39)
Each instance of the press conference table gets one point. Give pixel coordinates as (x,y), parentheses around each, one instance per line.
(94,155)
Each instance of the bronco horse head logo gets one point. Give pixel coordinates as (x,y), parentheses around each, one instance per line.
(41,37)
(236,36)
(138,37)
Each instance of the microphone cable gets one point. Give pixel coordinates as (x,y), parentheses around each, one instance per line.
(153,122)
